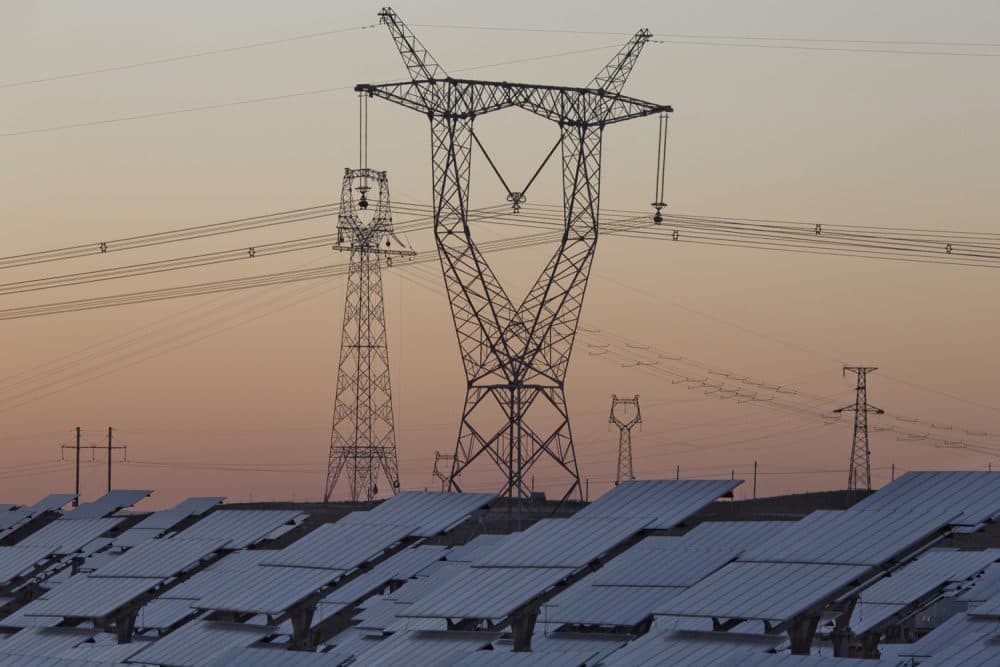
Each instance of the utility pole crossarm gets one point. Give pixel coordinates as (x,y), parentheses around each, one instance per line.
(468,98)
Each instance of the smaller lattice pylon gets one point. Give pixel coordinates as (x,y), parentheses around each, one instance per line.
(859,475)
(623,417)
(442,468)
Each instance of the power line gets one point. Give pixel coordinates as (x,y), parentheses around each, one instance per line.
(188,56)
(782,42)
(269,98)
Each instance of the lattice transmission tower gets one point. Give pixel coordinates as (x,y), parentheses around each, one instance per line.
(625,415)
(859,475)
(363,437)
(515,355)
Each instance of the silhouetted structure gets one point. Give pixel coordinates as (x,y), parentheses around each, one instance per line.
(363,436)
(859,475)
(515,356)
(625,424)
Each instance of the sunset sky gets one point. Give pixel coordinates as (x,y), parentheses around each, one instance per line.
(231,394)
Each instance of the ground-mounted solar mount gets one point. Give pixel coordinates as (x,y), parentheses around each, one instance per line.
(515,356)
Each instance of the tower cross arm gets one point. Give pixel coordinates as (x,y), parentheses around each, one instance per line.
(465,98)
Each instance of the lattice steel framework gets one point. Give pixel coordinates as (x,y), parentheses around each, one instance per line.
(515,356)
(859,475)
(363,436)
(625,422)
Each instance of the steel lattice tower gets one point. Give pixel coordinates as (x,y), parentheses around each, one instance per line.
(363,437)
(515,356)
(859,475)
(625,424)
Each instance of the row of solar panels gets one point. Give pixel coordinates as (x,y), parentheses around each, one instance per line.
(371,591)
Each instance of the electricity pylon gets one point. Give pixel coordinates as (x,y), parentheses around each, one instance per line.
(363,436)
(515,356)
(625,424)
(442,468)
(859,475)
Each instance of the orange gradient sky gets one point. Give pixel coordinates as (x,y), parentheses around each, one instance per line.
(212,394)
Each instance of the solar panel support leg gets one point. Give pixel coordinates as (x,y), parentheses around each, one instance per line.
(125,625)
(842,636)
(801,631)
(301,616)
(522,626)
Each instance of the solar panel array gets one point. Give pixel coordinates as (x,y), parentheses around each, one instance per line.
(625,581)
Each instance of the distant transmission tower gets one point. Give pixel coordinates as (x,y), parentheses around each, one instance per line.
(363,438)
(859,476)
(625,424)
(442,468)
(515,354)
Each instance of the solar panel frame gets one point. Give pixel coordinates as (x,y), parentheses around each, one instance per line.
(343,545)
(972,496)
(107,504)
(670,501)
(199,642)
(160,558)
(662,562)
(774,592)
(841,537)
(92,597)
(17,561)
(487,592)
(561,543)
(429,513)
(274,590)
(67,537)
(243,528)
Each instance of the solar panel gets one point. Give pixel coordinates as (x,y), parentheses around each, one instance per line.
(869,615)
(220,574)
(584,604)
(267,590)
(689,648)
(662,561)
(43,641)
(960,629)
(268,656)
(340,546)
(16,561)
(740,534)
(487,592)
(162,614)
(429,513)
(65,537)
(476,548)
(136,536)
(402,565)
(762,591)
(169,518)
(92,597)
(669,501)
(424,647)
(107,504)
(974,495)
(852,538)
(53,502)
(13,518)
(243,528)
(160,558)
(199,642)
(928,572)
(573,542)
(569,658)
